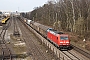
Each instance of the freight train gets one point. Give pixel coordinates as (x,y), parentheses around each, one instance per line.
(59,39)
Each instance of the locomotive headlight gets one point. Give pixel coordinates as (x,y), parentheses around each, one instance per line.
(61,42)
(67,42)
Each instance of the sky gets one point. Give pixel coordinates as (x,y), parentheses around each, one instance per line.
(20,5)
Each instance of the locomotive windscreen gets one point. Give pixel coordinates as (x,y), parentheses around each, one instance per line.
(64,37)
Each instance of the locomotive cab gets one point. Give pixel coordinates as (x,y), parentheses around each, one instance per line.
(64,41)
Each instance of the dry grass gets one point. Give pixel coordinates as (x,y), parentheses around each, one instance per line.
(20,50)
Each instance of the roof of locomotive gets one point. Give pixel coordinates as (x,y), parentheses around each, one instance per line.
(58,32)
(54,31)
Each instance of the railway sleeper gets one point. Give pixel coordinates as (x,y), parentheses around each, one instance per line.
(2,42)
(6,57)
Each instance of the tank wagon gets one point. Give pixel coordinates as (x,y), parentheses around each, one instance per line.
(59,39)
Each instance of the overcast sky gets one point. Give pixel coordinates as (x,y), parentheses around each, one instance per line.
(21,5)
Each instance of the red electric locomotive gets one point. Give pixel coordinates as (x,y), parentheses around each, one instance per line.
(60,39)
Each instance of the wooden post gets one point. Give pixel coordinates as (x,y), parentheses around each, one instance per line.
(59,56)
(63,58)
(53,52)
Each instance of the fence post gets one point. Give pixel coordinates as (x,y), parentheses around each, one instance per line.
(53,52)
(63,58)
(41,41)
(56,52)
(59,56)
(50,47)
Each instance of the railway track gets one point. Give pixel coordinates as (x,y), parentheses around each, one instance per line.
(81,51)
(71,55)
(16,31)
(35,51)
(6,53)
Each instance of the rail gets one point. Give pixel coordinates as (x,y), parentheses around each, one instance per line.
(60,54)
(16,31)
(6,53)
(82,51)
